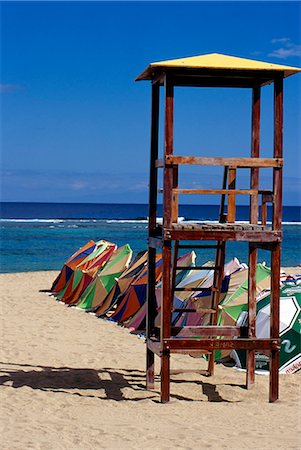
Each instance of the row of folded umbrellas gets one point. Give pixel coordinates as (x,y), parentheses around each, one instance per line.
(105,280)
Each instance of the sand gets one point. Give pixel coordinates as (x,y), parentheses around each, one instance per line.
(72,381)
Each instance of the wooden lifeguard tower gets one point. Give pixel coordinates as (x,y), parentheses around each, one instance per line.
(214,71)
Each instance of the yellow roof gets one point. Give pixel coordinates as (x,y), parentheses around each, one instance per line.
(216,61)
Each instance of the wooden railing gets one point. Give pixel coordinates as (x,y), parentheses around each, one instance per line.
(228,188)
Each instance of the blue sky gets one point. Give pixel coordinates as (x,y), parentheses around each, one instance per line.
(75,125)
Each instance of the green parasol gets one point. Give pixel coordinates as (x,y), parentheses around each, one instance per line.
(289,331)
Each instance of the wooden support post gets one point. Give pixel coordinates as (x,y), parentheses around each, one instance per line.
(167,259)
(255,144)
(166,306)
(231,197)
(274,322)
(165,376)
(216,292)
(168,150)
(222,215)
(175,196)
(250,376)
(153,182)
(277,225)
(264,211)
(278,153)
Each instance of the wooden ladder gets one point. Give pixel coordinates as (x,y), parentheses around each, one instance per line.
(218,276)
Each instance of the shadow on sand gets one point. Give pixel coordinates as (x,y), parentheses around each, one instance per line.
(110,381)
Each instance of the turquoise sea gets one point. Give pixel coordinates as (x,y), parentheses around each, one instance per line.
(41,236)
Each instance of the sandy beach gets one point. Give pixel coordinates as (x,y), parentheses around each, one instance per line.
(72,381)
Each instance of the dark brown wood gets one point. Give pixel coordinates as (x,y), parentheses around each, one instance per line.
(190,289)
(150,369)
(267,197)
(153,182)
(166,291)
(274,321)
(255,145)
(165,376)
(264,213)
(184,310)
(175,194)
(231,196)
(219,161)
(215,77)
(278,153)
(252,263)
(216,191)
(222,215)
(221,344)
(174,268)
(168,150)
(223,235)
(153,175)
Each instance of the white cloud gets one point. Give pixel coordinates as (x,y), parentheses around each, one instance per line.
(276,40)
(287,49)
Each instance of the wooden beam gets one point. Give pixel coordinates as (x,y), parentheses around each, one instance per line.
(175,194)
(168,181)
(223,235)
(255,145)
(221,344)
(152,212)
(231,196)
(274,321)
(168,150)
(220,161)
(216,191)
(278,153)
(153,174)
(252,263)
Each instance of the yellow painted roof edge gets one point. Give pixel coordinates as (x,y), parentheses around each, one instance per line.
(217,61)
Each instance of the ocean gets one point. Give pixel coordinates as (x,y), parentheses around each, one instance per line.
(41,236)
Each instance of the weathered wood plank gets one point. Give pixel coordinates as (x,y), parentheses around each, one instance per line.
(252,263)
(223,235)
(255,145)
(216,191)
(278,151)
(221,344)
(274,321)
(231,195)
(219,161)
(168,150)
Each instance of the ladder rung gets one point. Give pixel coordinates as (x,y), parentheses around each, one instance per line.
(198,246)
(188,310)
(191,289)
(206,310)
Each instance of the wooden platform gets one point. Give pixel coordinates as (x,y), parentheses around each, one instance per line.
(216,232)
